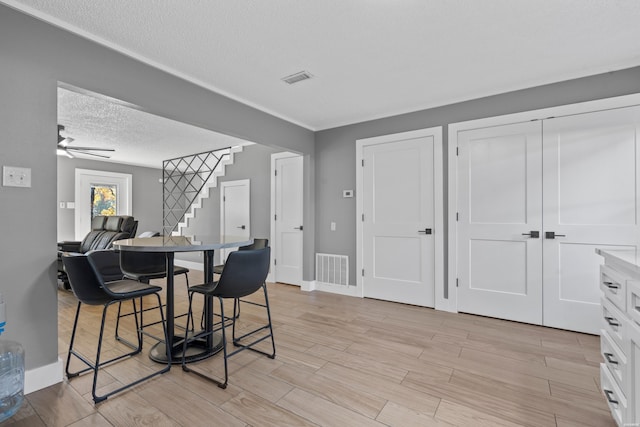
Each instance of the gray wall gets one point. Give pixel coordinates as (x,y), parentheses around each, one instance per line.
(34,57)
(253,163)
(146,197)
(335,154)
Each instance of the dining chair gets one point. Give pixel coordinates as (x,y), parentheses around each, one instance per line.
(90,289)
(258,243)
(245,273)
(143,267)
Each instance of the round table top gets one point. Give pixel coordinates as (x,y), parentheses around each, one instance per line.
(180,243)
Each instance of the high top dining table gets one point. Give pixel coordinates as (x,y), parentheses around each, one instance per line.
(169,245)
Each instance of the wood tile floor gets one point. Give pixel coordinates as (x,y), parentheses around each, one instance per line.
(345,361)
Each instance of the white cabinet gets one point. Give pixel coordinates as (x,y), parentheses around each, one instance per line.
(620,334)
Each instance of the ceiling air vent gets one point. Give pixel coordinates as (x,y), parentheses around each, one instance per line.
(297,77)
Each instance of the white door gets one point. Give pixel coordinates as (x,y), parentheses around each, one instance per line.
(86,182)
(591,183)
(288,215)
(398,186)
(573,179)
(500,209)
(235,210)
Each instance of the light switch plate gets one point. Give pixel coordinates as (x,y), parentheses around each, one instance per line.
(347,193)
(16,177)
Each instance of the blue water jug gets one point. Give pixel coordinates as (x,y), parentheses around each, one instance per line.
(11,378)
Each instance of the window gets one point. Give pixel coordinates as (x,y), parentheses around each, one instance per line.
(104,200)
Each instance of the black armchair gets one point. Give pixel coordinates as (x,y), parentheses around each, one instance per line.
(104,231)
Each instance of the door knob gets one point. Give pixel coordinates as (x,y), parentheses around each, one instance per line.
(552,235)
(242,227)
(426,231)
(297,228)
(534,234)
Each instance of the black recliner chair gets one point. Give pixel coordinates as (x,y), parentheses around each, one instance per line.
(104,231)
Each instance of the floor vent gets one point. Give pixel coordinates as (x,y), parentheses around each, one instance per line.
(332,269)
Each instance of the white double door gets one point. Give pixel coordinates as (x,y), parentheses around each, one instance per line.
(535,199)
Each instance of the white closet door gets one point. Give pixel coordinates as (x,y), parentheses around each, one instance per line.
(591,183)
(500,203)
(289,215)
(398,206)
(235,211)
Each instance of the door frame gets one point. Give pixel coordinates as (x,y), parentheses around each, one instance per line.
(272,234)
(438,196)
(450,303)
(238,182)
(83,178)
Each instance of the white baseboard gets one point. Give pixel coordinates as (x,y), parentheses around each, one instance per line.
(191,265)
(42,377)
(314,285)
(308,285)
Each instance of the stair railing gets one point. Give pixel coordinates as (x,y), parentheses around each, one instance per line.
(183,178)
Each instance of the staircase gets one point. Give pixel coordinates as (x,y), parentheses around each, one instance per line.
(187,182)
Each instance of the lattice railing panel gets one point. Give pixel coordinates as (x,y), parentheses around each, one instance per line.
(183,179)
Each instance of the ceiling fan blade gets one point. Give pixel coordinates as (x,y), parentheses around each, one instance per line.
(89,148)
(88,153)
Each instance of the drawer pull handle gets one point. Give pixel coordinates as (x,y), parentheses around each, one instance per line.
(609,393)
(612,321)
(612,285)
(610,359)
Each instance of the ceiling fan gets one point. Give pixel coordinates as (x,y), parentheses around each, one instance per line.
(64,149)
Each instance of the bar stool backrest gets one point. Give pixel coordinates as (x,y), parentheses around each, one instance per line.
(244,273)
(84,281)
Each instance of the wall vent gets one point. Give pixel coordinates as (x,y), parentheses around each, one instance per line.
(297,77)
(332,269)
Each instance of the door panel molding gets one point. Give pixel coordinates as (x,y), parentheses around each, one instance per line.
(438,220)
(274,240)
(454,131)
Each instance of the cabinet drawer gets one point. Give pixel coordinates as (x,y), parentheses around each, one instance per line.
(633,301)
(613,285)
(632,390)
(615,359)
(613,395)
(613,321)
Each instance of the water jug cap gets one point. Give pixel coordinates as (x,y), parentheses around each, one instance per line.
(3,319)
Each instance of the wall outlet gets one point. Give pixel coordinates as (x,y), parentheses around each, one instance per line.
(16,177)
(333,226)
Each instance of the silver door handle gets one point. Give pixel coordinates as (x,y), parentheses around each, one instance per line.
(242,227)
(297,228)
(533,234)
(426,231)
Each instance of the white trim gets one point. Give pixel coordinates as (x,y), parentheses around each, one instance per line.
(308,285)
(137,56)
(42,377)
(83,177)
(455,128)
(191,265)
(438,196)
(222,254)
(314,285)
(272,235)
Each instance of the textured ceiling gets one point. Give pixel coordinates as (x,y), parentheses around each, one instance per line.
(370,58)
(138,138)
